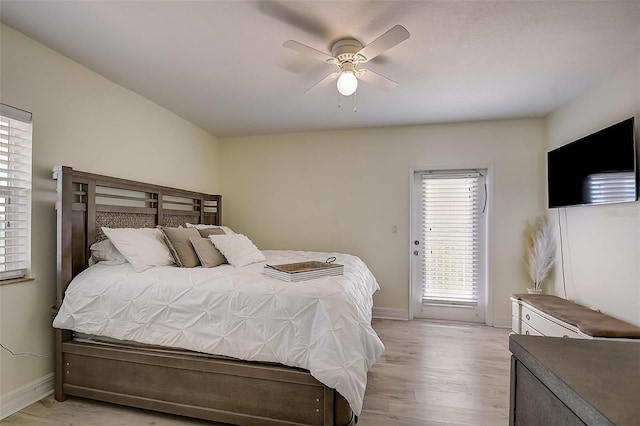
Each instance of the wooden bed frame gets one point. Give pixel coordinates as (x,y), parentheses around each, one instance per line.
(173,381)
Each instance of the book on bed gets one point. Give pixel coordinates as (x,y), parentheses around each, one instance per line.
(300,271)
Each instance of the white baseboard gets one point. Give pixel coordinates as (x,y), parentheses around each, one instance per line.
(401,314)
(26,395)
(390,313)
(502,322)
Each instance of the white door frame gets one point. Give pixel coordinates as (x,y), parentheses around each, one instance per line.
(488,270)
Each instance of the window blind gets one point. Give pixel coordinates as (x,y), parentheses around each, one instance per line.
(450,221)
(15,192)
(611,187)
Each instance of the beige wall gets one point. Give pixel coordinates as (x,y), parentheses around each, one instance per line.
(344,190)
(84,121)
(601,243)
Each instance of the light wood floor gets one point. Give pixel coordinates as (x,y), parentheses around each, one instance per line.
(431,373)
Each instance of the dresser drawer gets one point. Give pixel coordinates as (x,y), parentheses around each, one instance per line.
(529,331)
(544,325)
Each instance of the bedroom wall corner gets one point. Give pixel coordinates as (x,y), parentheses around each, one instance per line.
(82,120)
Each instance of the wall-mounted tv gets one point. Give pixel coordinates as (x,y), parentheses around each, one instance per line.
(597,169)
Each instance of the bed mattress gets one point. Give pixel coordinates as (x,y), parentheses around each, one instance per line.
(322,325)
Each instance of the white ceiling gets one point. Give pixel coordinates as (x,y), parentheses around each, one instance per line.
(222,66)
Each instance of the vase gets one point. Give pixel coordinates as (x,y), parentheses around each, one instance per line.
(534,290)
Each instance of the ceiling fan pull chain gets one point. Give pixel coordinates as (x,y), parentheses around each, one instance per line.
(355,102)
(339,103)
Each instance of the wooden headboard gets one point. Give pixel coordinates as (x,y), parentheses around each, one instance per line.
(86,202)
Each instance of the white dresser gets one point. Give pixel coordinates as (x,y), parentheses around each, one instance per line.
(546,315)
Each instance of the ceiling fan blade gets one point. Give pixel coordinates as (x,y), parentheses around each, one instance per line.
(331,76)
(304,49)
(393,37)
(376,79)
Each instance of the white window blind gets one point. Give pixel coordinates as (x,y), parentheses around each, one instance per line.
(611,187)
(450,217)
(15,192)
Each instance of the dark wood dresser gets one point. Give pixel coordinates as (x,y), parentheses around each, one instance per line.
(559,381)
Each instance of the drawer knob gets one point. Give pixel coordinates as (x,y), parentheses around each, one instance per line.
(528,317)
(526,332)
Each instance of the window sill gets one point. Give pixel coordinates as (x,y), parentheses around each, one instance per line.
(16,280)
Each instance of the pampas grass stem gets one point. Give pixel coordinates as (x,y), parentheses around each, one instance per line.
(540,250)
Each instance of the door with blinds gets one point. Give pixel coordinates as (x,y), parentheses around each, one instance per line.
(449,245)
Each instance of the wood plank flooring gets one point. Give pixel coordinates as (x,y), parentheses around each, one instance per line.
(438,373)
(432,373)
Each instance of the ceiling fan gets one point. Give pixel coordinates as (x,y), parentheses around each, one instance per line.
(348,54)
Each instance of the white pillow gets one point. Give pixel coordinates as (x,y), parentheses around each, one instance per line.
(237,248)
(226,229)
(142,247)
(106,253)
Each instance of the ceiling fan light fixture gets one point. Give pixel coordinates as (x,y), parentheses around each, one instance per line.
(347,54)
(347,83)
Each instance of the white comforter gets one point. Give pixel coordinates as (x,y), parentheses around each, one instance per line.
(322,325)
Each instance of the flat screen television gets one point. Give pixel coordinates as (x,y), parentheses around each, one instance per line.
(597,169)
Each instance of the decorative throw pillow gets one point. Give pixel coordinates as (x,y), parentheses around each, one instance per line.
(238,249)
(226,229)
(208,254)
(210,231)
(181,249)
(105,252)
(142,247)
